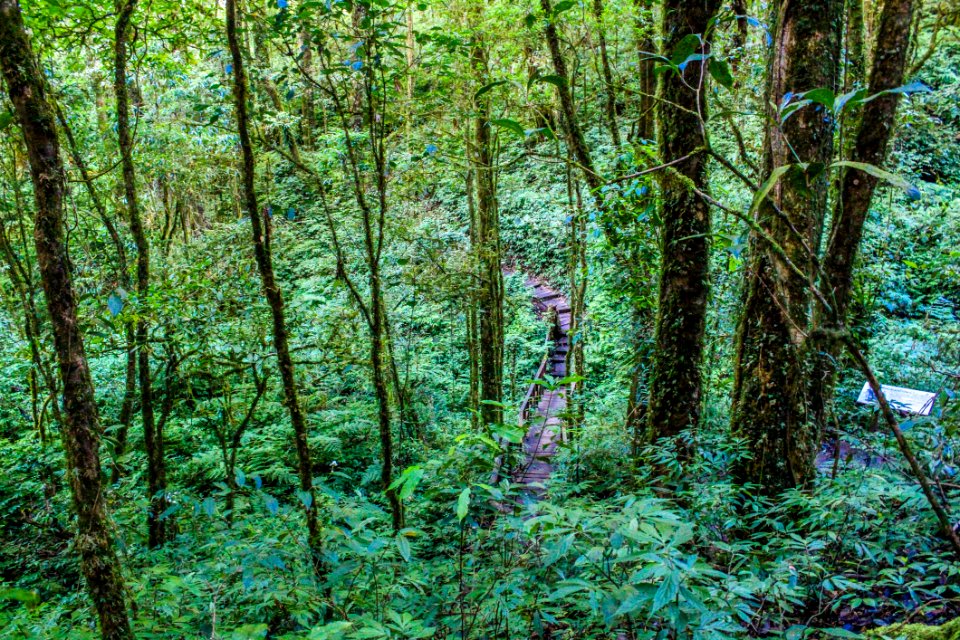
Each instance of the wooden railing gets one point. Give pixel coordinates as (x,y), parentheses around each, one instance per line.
(534,392)
(531,400)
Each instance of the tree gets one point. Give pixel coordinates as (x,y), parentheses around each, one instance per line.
(770,409)
(123,278)
(153,437)
(675,379)
(81,424)
(260,227)
(850,211)
(487,241)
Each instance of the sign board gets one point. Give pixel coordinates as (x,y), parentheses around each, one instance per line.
(918,403)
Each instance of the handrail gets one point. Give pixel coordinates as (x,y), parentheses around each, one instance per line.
(534,389)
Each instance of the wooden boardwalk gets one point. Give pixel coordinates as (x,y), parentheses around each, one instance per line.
(542,408)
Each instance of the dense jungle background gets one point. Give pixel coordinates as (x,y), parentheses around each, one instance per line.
(370,319)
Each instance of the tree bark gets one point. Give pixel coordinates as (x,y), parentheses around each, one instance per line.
(123,277)
(856,193)
(610,92)
(675,379)
(770,409)
(260,227)
(568,111)
(81,428)
(646,122)
(153,439)
(487,249)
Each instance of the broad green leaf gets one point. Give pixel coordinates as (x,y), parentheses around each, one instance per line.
(767,185)
(912,192)
(823,96)
(484,89)
(403,546)
(667,592)
(683,49)
(720,71)
(332,631)
(510,125)
(463,504)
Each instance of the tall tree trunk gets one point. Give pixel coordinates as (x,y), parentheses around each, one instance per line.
(260,227)
(123,278)
(153,440)
(675,379)
(739,38)
(850,211)
(853,40)
(770,398)
(568,111)
(473,321)
(610,92)
(646,121)
(308,107)
(81,428)
(487,248)
(21,278)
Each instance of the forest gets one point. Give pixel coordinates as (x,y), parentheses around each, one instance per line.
(479,319)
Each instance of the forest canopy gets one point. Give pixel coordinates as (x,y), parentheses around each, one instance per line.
(375,319)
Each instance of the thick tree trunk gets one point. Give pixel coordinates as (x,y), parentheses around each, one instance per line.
(770,399)
(153,440)
(675,379)
(260,226)
(850,212)
(81,428)
(487,251)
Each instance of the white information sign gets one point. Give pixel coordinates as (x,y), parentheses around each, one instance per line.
(918,403)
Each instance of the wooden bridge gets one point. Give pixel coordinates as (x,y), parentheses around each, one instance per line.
(542,408)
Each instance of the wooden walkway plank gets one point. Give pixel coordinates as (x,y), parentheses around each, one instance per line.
(544,421)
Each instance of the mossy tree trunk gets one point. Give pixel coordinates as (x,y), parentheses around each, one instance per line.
(486,247)
(123,280)
(646,121)
(771,410)
(260,227)
(877,122)
(152,437)
(81,425)
(610,91)
(675,379)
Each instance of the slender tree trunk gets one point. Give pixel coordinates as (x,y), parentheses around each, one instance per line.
(19,273)
(853,36)
(473,322)
(260,227)
(739,38)
(857,187)
(675,379)
(568,111)
(123,277)
(648,80)
(308,109)
(610,92)
(770,399)
(487,249)
(81,428)
(156,464)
